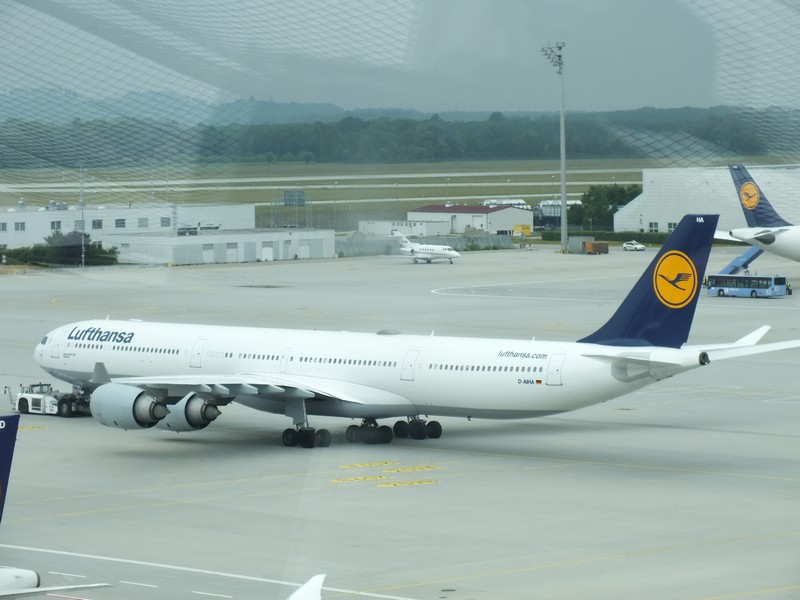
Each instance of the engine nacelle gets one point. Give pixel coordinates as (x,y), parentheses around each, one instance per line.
(126,407)
(190,414)
(12,579)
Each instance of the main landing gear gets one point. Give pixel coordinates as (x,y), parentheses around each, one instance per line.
(370,433)
(307,437)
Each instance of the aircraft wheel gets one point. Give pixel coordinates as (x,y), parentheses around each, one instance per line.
(22,406)
(322,438)
(385,434)
(64,409)
(434,429)
(290,437)
(307,437)
(353,434)
(401,429)
(371,435)
(417,430)
(720,293)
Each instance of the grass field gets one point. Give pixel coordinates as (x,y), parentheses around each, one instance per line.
(338,195)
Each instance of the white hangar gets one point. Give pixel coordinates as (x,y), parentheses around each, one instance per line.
(460,217)
(669,194)
(174,234)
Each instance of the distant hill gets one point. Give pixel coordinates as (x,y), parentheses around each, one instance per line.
(50,105)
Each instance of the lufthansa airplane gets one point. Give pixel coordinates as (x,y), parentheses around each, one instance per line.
(177,376)
(766,229)
(424,252)
(16,582)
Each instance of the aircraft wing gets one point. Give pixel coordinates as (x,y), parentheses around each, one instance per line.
(40,591)
(274,385)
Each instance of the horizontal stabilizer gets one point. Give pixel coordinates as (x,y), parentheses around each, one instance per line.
(310,590)
(734,351)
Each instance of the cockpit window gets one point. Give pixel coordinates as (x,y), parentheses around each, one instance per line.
(44,341)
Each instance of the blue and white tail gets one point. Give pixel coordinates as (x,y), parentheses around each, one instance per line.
(757,210)
(8,439)
(659,309)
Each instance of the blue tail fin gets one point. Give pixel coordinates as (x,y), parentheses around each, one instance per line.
(659,309)
(757,210)
(8,439)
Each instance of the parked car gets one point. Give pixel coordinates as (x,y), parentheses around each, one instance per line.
(633,245)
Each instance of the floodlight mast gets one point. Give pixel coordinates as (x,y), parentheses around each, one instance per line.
(555,55)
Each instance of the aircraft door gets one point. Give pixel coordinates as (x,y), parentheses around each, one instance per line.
(196,358)
(285,353)
(554,367)
(55,346)
(410,359)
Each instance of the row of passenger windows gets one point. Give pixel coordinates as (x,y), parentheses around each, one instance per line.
(326,361)
(486,368)
(146,350)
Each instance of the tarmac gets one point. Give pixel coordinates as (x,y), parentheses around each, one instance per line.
(687,489)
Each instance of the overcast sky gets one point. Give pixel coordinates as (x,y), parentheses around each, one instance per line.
(430,55)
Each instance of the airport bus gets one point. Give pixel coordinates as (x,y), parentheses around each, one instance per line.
(754,286)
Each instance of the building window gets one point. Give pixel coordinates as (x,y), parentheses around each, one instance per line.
(3,226)
(165,221)
(653,227)
(19,226)
(55,225)
(80,225)
(143,222)
(97,223)
(119,223)
(671,227)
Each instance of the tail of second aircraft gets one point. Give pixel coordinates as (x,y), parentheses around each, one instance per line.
(8,439)
(401,238)
(659,309)
(757,210)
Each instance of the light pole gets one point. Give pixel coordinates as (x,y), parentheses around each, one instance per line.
(556,56)
(82,202)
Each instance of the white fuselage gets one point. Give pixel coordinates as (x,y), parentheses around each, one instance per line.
(429,375)
(428,253)
(782,241)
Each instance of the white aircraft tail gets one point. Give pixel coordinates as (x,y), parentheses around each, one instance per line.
(403,239)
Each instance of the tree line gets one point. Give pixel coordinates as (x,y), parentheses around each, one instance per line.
(142,142)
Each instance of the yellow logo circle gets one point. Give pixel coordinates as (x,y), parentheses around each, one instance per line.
(749,196)
(675,279)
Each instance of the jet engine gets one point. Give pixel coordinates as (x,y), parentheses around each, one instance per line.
(126,407)
(12,579)
(190,414)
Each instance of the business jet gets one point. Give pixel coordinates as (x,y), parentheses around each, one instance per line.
(424,252)
(16,582)
(766,229)
(177,376)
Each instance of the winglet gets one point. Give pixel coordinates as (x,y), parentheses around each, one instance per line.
(8,439)
(757,210)
(659,309)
